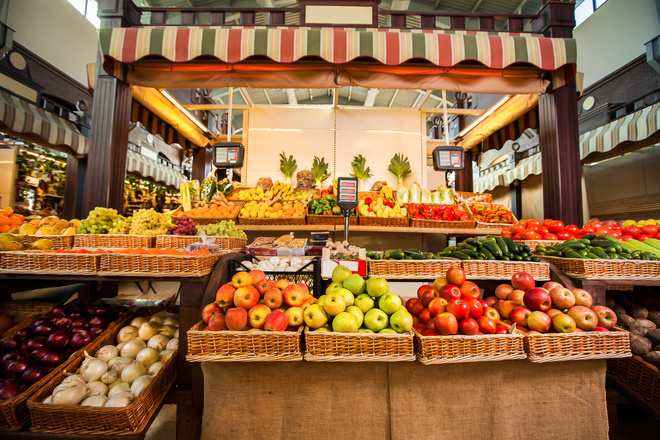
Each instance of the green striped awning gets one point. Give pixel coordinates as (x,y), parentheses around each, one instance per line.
(209,47)
(156,126)
(505,176)
(152,170)
(635,127)
(23,119)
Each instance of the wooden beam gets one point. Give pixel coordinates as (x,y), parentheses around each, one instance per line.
(454,111)
(213,107)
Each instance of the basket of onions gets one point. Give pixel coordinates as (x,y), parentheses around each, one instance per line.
(117,388)
(28,355)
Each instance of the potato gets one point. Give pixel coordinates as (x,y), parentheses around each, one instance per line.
(618,310)
(653,336)
(652,357)
(645,323)
(638,312)
(654,316)
(625,320)
(638,330)
(639,345)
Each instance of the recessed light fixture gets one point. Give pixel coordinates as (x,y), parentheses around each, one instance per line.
(170,98)
(490,111)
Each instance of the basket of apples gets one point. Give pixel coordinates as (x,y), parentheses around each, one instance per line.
(559,324)
(252,319)
(453,324)
(358,320)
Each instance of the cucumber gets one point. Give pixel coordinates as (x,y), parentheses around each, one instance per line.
(552,254)
(517,258)
(471,241)
(605,243)
(487,253)
(513,247)
(460,255)
(492,247)
(472,254)
(397,255)
(572,254)
(571,244)
(502,245)
(599,252)
(467,247)
(525,248)
(653,242)
(589,236)
(536,259)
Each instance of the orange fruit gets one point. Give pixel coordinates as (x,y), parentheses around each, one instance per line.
(15,220)
(6,211)
(4,220)
(5,228)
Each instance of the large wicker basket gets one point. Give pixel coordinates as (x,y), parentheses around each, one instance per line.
(500,270)
(115,264)
(473,348)
(470,197)
(410,269)
(39,263)
(112,241)
(533,244)
(243,346)
(183,241)
(358,347)
(330,220)
(386,222)
(23,311)
(638,378)
(601,268)
(425,223)
(59,241)
(99,420)
(211,220)
(485,225)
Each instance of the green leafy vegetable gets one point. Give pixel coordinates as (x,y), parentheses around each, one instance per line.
(319,171)
(287,166)
(360,170)
(400,167)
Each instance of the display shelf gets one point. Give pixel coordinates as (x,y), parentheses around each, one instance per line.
(339,228)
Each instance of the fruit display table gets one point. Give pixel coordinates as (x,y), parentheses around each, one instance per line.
(404,400)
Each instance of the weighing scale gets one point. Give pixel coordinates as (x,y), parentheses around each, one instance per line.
(227,155)
(449,159)
(347,198)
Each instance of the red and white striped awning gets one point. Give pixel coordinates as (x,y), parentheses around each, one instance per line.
(152,170)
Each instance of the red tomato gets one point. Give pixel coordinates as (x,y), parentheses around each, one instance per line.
(507,234)
(518,228)
(547,222)
(642,237)
(533,221)
(650,230)
(603,231)
(518,237)
(616,234)
(534,228)
(616,227)
(564,235)
(531,235)
(633,231)
(550,236)
(586,231)
(625,238)
(556,226)
(544,230)
(657,236)
(523,222)
(572,229)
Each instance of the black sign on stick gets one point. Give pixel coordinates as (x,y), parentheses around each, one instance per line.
(228,154)
(347,198)
(448,158)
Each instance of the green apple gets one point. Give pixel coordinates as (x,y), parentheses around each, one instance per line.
(356,284)
(389,303)
(364,302)
(365,330)
(355,311)
(333,287)
(349,299)
(375,320)
(401,321)
(345,323)
(377,286)
(321,300)
(323,329)
(401,307)
(340,273)
(315,316)
(388,331)
(334,304)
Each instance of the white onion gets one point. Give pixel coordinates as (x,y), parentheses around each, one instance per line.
(88,358)
(93,370)
(158,319)
(127,333)
(171,320)
(173,344)
(165,355)
(73,378)
(132,348)
(176,334)
(158,342)
(274,260)
(71,395)
(113,384)
(167,330)
(95,401)
(120,400)
(147,356)
(155,368)
(140,384)
(48,400)
(97,388)
(138,321)
(163,314)
(107,352)
(109,376)
(120,345)
(147,330)
(119,363)
(121,387)
(132,372)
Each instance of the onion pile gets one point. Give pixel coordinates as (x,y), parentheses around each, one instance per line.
(117,374)
(34,351)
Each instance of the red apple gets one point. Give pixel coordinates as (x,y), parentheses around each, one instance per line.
(498,303)
(585,318)
(430,325)
(582,298)
(241,279)
(483,303)
(210,310)
(520,314)
(606,317)
(537,298)
(503,290)
(217,322)
(437,306)
(428,296)
(459,308)
(562,323)
(468,326)
(423,288)
(551,285)
(417,308)
(276,321)
(455,275)
(486,325)
(425,316)
(469,289)
(262,286)
(439,282)
(493,314)
(475,306)
(420,327)
(294,295)
(410,303)
(552,312)
(236,319)
(273,298)
(257,315)
(446,324)
(522,281)
(539,321)
(450,292)
(601,329)
(517,296)
(429,333)
(257,276)
(562,298)
(506,308)
(225,295)
(246,297)
(501,329)
(295,317)
(281,284)
(491,300)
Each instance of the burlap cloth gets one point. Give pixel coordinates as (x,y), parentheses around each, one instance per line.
(404,400)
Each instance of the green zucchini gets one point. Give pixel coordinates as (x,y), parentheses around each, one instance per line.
(513,247)
(502,245)
(460,255)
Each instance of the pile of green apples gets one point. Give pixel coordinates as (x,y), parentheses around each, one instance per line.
(352,304)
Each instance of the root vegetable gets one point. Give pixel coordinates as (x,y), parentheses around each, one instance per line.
(158,319)
(155,368)
(171,320)
(93,370)
(167,330)
(159,342)
(48,400)
(140,384)
(132,348)
(638,312)
(132,372)
(653,336)
(645,323)
(638,330)
(109,376)
(147,330)
(97,400)
(147,356)
(127,333)
(138,321)
(173,344)
(654,316)
(97,388)
(107,352)
(165,355)
(120,400)
(121,387)
(625,320)
(639,345)
(71,394)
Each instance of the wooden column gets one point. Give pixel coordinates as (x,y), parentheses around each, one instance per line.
(74,185)
(201,163)
(464,177)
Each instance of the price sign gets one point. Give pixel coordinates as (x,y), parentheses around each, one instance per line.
(228,154)
(347,193)
(448,158)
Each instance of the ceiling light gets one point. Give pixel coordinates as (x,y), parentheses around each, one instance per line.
(484,116)
(184,111)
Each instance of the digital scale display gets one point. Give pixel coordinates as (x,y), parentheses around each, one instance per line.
(347,192)
(448,158)
(228,154)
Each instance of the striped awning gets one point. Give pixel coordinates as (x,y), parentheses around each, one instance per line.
(505,176)
(155,125)
(512,131)
(23,119)
(152,170)
(221,56)
(641,127)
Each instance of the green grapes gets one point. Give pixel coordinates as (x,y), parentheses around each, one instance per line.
(226,228)
(120,225)
(99,221)
(149,222)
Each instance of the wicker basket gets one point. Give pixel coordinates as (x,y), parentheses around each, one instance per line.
(534,243)
(330,220)
(59,241)
(470,197)
(410,269)
(475,348)
(387,222)
(358,347)
(183,241)
(424,223)
(601,268)
(484,225)
(577,346)
(639,378)
(211,220)
(157,265)
(23,311)
(243,346)
(293,221)
(38,262)
(99,420)
(112,241)
(500,270)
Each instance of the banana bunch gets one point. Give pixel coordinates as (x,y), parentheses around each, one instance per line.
(387,192)
(281,189)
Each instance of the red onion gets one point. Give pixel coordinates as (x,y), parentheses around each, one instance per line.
(58,311)
(44,329)
(63,322)
(38,353)
(53,359)
(34,374)
(97,330)
(91,309)
(23,334)
(98,321)
(76,312)
(58,340)
(79,328)
(11,357)
(10,388)
(38,322)
(102,310)
(79,322)
(80,339)
(34,343)
(16,368)
(9,344)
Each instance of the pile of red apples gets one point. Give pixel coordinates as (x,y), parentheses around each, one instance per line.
(251,302)
(550,308)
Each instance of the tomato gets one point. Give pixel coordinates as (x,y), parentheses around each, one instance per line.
(616,234)
(616,227)
(633,231)
(523,222)
(550,236)
(547,222)
(507,234)
(531,235)
(518,237)
(544,230)
(625,238)
(650,230)
(642,237)
(657,236)
(534,228)
(564,235)
(533,221)
(518,228)
(556,226)
(603,231)
(586,231)
(573,230)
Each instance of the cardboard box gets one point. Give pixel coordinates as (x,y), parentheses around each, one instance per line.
(358,266)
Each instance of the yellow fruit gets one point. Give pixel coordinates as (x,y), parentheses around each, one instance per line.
(27,229)
(641,223)
(61,224)
(51,220)
(11,246)
(652,222)
(45,230)
(628,223)
(70,231)
(42,244)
